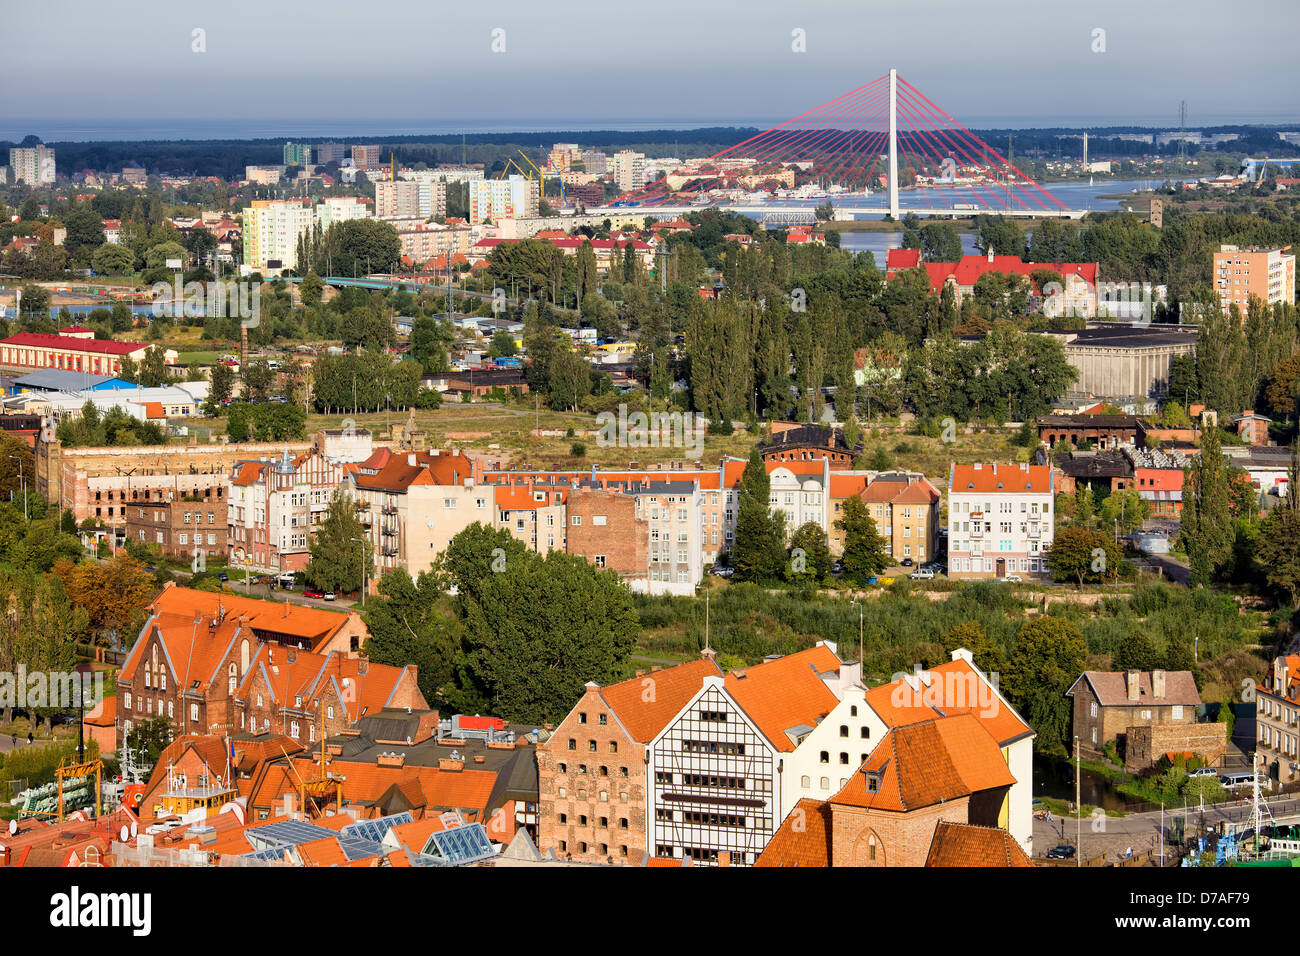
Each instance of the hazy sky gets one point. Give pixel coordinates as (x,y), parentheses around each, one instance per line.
(986,62)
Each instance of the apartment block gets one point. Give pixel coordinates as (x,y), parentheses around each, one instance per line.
(413,503)
(629,169)
(1242,272)
(1277,719)
(271,231)
(276,505)
(999,519)
(297,154)
(365,157)
(32,165)
(186,526)
(495,199)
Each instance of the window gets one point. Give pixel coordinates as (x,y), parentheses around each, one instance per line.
(573,744)
(577,520)
(825,756)
(844,730)
(613,746)
(582,718)
(603,719)
(598,520)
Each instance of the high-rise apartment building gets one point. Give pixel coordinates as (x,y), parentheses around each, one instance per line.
(365,157)
(271,231)
(330,152)
(495,199)
(1240,273)
(629,169)
(34,165)
(297,154)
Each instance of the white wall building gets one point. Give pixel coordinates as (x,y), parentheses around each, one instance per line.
(33,165)
(497,199)
(1000,519)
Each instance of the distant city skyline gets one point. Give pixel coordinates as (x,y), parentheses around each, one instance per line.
(405,69)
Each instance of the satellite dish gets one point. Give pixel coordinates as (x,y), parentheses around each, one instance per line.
(135,828)
(124,834)
(13,827)
(430,523)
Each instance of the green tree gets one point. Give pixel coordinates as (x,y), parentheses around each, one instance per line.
(759,550)
(113,259)
(539,630)
(1207,526)
(258,378)
(148,738)
(502,345)
(1049,655)
(810,555)
(866,553)
(341,554)
(411,622)
(1081,554)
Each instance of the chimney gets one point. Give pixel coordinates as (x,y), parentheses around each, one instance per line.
(990,256)
(410,459)
(1158,684)
(390,760)
(290,804)
(451,765)
(1134,681)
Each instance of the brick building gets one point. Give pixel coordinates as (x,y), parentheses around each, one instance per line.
(180,526)
(592,771)
(1104,431)
(1277,719)
(790,441)
(897,808)
(1108,704)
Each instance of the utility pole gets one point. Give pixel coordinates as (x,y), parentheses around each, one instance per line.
(1078,809)
(23,480)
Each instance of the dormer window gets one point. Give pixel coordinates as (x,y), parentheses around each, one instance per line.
(873,780)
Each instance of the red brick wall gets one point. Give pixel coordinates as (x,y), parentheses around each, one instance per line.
(623,539)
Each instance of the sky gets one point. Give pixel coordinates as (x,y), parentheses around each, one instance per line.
(275,67)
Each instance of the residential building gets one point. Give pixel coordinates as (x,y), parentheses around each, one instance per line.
(628,168)
(327,153)
(496,199)
(223,664)
(340,209)
(186,526)
(1277,719)
(423,241)
(277,505)
(365,157)
(1000,519)
(398,200)
(413,503)
(905,508)
(1243,272)
(271,231)
(297,154)
(534,514)
(593,775)
(1146,714)
(33,165)
(263,175)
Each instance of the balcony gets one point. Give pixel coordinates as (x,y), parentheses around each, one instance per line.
(389,552)
(389,532)
(389,509)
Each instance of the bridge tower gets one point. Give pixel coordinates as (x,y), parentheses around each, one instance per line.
(893,144)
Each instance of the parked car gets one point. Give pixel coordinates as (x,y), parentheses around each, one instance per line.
(223,577)
(837,567)
(1062,852)
(312,593)
(1012,579)
(1202,772)
(906,562)
(722,571)
(329,595)
(921,574)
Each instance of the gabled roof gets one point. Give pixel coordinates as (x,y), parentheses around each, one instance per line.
(180,604)
(965,844)
(922,764)
(787,693)
(674,686)
(49,340)
(804,838)
(1111,689)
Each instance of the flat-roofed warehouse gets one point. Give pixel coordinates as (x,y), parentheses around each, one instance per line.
(1125,362)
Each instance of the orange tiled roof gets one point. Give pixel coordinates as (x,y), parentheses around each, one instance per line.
(673,688)
(964,844)
(927,763)
(804,838)
(785,693)
(1004,479)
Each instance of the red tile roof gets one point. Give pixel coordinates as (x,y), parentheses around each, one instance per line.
(965,844)
(1005,479)
(50,340)
(785,693)
(804,838)
(644,715)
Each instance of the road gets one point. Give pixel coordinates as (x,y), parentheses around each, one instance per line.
(1141,831)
